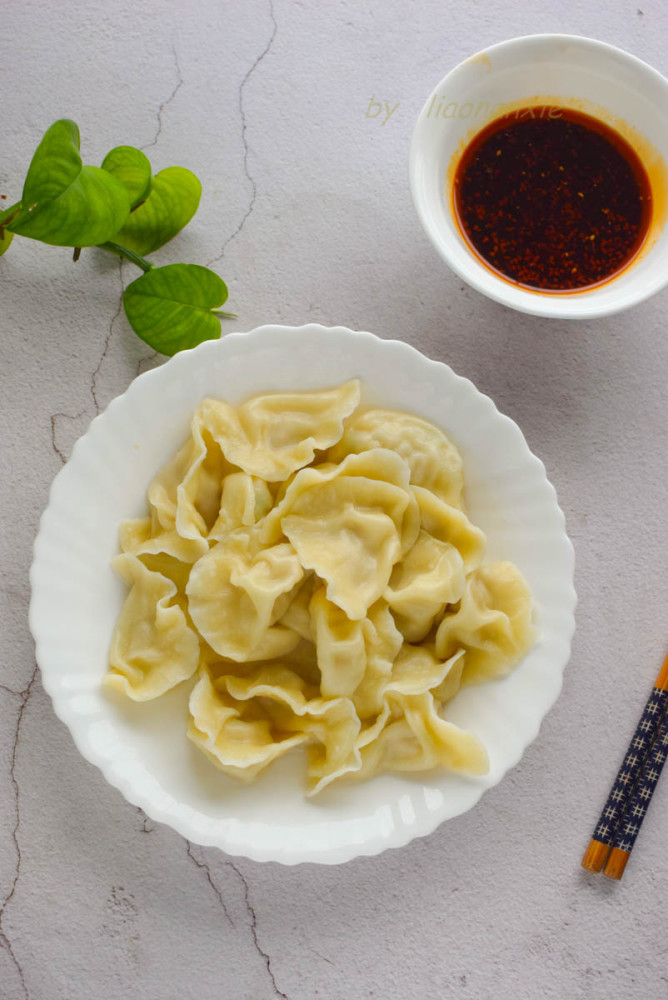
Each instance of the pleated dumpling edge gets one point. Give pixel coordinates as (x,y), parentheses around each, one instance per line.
(309,569)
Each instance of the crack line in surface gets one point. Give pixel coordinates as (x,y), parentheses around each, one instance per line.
(145,820)
(65,416)
(163,107)
(323,957)
(253,926)
(17,694)
(147,361)
(53,436)
(4,940)
(107,341)
(244,127)
(205,868)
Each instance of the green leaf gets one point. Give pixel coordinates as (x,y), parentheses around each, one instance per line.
(55,164)
(173,201)
(64,202)
(172,308)
(133,169)
(5,239)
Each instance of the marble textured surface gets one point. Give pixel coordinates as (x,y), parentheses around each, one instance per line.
(307,215)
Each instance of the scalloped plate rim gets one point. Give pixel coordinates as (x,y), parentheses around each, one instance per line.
(400,835)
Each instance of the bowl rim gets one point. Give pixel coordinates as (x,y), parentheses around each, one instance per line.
(153,804)
(485,281)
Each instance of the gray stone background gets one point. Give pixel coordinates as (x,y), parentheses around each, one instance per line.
(306,213)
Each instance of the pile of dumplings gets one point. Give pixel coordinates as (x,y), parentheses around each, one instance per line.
(308,565)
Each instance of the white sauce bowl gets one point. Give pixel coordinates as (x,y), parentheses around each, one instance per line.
(558,70)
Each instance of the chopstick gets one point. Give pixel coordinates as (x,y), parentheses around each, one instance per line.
(636,810)
(628,776)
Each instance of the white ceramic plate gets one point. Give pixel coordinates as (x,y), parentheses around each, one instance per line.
(142,749)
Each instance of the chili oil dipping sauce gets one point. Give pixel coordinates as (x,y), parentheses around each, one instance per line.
(552,199)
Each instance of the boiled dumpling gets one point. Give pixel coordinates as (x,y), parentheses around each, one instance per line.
(237,736)
(340,647)
(137,538)
(430,576)
(316,569)
(416,738)
(448,524)
(152,649)
(244,722)
(492,623)
(331,726)
(244,501)
(185,495)
(434,461)
(238,590)
(350,524)
(297,615)
(418,669)
(355,657)
(432,573)
(382,643)
(273,435)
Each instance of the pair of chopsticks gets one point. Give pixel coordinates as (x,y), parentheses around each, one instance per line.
(626,806)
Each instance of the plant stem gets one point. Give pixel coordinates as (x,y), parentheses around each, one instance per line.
(130,255)
(9,214)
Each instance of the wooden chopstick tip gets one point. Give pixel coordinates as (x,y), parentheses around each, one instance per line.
(662,679)
(616,863)
(595,856)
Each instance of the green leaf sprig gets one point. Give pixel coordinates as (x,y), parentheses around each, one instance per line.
(121,207)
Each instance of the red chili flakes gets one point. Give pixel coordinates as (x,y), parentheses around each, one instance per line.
(552,199)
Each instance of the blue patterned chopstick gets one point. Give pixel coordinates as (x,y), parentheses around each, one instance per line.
(628,775)
(628,829)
